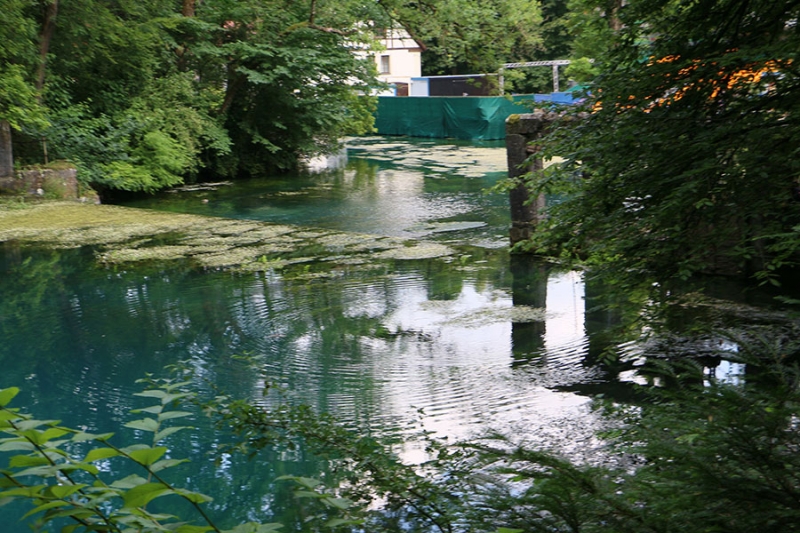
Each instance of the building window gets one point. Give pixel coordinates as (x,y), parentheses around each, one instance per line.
(384,66)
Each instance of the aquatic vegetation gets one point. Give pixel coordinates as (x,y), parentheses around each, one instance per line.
(124,235)
(481,317)
(418,250)
(466,161)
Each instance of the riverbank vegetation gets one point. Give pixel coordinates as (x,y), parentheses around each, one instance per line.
(141,96)
(687,160)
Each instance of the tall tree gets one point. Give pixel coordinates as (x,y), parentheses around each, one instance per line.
(19,105)
(689,155)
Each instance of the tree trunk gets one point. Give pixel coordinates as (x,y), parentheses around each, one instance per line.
(6,153)
(45,37)
(188,8)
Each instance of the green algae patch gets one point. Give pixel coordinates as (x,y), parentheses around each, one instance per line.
(481,317)
(416,250)
(128,235)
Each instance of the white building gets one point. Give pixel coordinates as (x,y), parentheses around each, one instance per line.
(399,61)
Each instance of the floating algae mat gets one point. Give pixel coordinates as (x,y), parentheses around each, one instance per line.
(124,235)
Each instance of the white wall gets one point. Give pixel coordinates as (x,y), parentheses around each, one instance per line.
(405,57)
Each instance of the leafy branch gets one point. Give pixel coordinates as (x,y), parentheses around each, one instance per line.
(63,485)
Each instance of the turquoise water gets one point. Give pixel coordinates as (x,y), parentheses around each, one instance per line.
(415,189)
(481,342)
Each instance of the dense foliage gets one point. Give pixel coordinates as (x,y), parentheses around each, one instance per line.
(141,95)
(687,161)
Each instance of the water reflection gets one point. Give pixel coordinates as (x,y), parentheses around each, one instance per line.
(413,189)
(474,342)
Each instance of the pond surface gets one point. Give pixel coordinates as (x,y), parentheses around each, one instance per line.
(465,343)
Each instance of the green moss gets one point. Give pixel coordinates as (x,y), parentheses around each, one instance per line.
(125,235)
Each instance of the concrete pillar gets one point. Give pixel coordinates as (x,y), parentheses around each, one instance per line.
(522,131)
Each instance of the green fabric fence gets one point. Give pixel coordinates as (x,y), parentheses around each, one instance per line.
(459,117)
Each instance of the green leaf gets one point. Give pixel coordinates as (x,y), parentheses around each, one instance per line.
(84,437)
(166,463)
(42,437)
(24,461)
(173,414)
(98,454)
(16,444)
(45,507)
(129,482)
(338,503)
(140,495)
(308,494)
(186,528)
(145,424)
(163,434)
(62,491)
(24,492)
(148,456)
(8,414)
(6,395)
(194,497)
(172,397)
(153,409)
(32,423)
(307,482)
(337,522)
(253,527)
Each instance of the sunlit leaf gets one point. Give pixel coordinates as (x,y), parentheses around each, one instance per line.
(253,527)
(194,497)
(45,507)
(172,397)
(6,395)
(26,425)
(338,522)
(308,494)
(338,503)
(173,414)
(186,528)
(164,433)
(145,424)
(140,495)
(166,463)
(153,409)
(148,456)
(83,436)
(100,453)
(8,414)
(24,461)
(129,482)
(62,491)
(15,445)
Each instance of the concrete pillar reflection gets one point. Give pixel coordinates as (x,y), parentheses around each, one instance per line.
(528,288)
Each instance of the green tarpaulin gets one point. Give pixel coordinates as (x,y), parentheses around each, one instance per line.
(458,117)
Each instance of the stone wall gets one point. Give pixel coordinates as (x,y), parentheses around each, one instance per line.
(49,183)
